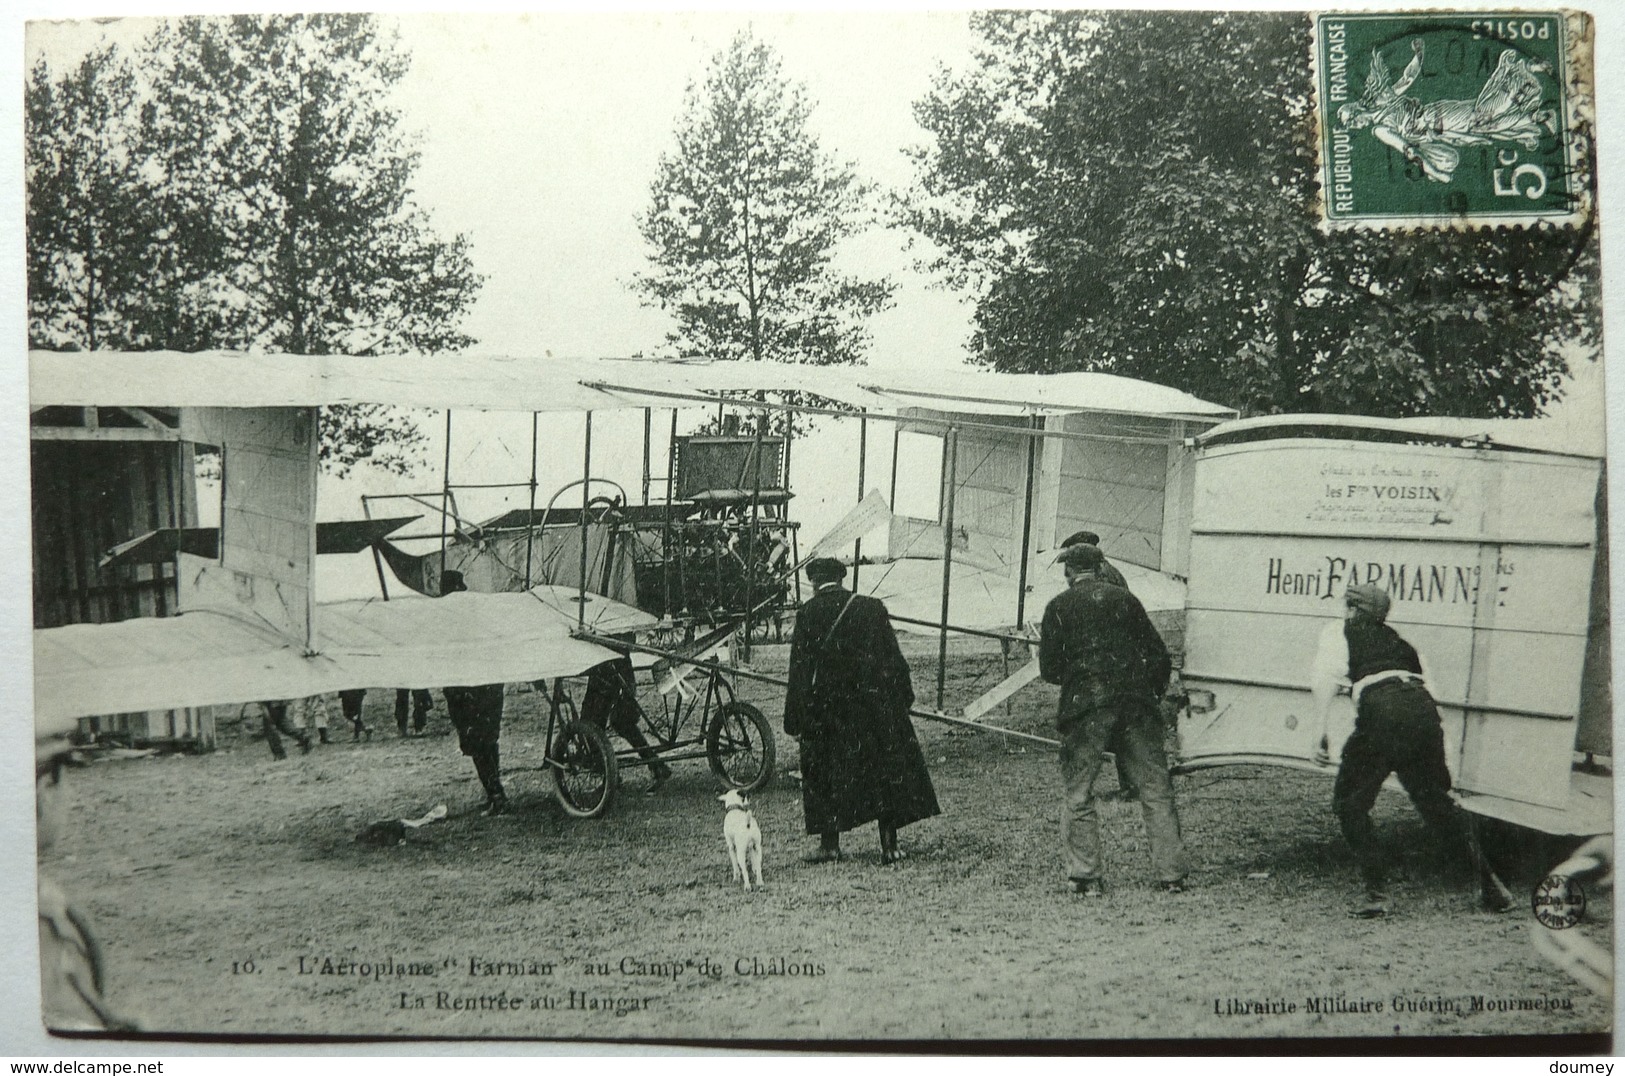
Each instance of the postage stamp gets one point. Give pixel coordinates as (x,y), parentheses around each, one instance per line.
(1453,118)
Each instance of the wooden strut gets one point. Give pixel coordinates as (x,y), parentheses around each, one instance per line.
(530,516)
(752,674)
(586,483)
(445,492)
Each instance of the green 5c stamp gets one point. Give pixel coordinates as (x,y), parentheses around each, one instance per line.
(1454,118)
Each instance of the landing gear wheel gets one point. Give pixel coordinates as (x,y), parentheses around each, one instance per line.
(739,745)
(585,775)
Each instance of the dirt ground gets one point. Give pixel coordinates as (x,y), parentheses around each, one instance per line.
(232,898)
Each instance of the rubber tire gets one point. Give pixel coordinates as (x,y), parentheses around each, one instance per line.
(585,746)
(727,718)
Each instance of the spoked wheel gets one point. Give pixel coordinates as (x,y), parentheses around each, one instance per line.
(584,771)
(739,745)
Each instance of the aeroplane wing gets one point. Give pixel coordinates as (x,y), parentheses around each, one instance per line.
(207,657)
(602,616)
(160,546)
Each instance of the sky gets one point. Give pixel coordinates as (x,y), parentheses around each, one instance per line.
(541,135)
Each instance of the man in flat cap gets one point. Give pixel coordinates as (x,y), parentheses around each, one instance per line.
(1099,645)
(1126,788)
(1108,570)
(476,714)
(1396,730)
(848,704)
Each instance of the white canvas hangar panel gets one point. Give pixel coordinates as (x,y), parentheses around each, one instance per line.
(989,474)
(1493,596)
(1124,477)
(268,460)
(918,477)
(1114,483)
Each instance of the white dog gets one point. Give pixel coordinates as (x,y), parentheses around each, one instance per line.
(743,836)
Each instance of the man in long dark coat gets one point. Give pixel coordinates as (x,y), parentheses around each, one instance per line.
(848,704)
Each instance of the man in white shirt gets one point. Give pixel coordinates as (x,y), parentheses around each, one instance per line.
(1396,730)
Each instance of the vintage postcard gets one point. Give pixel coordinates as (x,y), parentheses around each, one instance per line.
(1014,527)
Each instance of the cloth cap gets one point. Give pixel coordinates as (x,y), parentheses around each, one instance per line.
(451,580)
(1369,599)
(825,570)
(1081,538)
(1081,557)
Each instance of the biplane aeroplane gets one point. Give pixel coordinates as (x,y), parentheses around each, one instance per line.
(251,627)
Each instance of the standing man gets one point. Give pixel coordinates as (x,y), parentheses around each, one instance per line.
(350,702)
(308,713)
(421,703)
(1396,730)
(1112,666)
(848,704)
(476,714)
(1126,788)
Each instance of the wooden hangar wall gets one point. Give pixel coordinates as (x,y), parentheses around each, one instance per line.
(100,476)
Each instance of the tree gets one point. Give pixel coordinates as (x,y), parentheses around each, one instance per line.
(277,185)
(744,223)
(89,219)
(1133,192)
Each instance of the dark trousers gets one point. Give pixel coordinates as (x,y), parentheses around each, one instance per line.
(476,714)
(1127,787)
(421,702)
(1397,732)
(611,701)
(276,721)
(1135,726)
(350,702)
